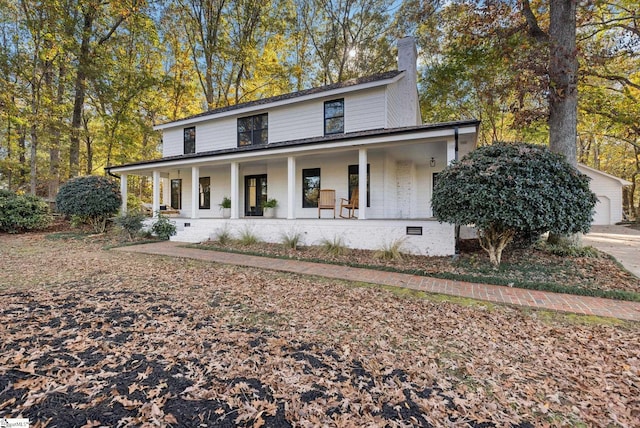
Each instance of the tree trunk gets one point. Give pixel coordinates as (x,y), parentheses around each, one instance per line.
(563,89)
(22,154)
(9,170)
(33,164)
(493,241)
(563,79)
(80,89)
(54,139)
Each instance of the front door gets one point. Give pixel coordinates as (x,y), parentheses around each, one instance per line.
(255,194)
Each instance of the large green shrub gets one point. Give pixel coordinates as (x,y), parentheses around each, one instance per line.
(19,213)
(92,197)
(507,188)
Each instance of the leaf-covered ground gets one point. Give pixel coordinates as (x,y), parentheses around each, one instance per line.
(92,337)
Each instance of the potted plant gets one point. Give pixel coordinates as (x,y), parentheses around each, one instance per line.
(269,208)
(225,206)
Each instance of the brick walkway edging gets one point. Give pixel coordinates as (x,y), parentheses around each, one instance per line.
(493,293)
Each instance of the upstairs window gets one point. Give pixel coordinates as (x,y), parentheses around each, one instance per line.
(334,117)
(253,130)
(189,140)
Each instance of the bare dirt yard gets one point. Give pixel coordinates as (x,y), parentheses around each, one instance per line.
(93,337)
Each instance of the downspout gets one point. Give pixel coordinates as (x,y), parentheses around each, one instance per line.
(457,226)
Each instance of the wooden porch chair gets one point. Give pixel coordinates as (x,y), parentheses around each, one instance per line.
(327,201)
(350,204)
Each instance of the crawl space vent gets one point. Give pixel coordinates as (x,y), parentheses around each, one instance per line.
(414,230)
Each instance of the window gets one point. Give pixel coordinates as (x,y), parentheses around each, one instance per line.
(255,194)
(189,140)
(253,130)
(205,193)
(354,180)
(310,187)
(334,117)
(176,193)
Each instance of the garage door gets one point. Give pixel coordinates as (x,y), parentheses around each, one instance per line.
(603,211)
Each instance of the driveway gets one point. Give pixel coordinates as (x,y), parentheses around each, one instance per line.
(621,242)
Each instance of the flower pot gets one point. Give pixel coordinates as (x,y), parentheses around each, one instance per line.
(226,212)
(268,212)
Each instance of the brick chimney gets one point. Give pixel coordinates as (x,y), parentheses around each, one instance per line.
(408,85)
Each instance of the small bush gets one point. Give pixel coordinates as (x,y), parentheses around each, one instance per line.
(223,236)
(19,213)
(92,197)
(163,228)
(334,247)
(564,250)
(130,223)
(291,240)
(390,251)
(247,237)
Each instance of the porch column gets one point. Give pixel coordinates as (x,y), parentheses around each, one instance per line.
(291,188)
(451,151)
(123,193)
(195,191)
(156,193)
(362,184)
(235,190)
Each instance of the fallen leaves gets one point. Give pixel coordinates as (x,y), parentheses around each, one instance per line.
(135,340)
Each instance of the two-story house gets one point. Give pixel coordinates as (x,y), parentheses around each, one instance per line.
(364,134)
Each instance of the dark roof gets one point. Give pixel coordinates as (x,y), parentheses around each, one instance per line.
(291,95)
(311,140)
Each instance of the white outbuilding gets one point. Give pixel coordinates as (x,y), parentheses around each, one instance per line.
(608,189)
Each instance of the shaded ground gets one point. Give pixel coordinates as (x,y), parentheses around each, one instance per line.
(93,337)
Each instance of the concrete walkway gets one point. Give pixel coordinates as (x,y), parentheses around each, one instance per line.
(621,242)
(492,293)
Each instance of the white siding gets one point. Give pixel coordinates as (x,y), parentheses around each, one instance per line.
(301,120)
(394,105)
(221,134)
(364,110)
(173,142)
(609,193)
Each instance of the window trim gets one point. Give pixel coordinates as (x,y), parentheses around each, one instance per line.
(308,173)
(326,119)
(253,132)
(185,141)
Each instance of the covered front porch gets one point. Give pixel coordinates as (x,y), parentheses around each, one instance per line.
(398,185)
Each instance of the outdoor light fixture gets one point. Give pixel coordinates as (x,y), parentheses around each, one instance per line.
(432,162)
